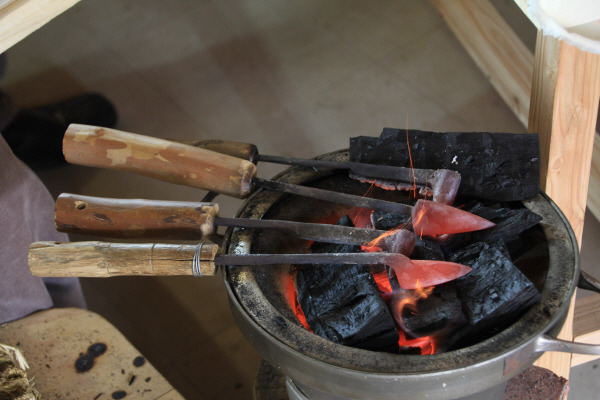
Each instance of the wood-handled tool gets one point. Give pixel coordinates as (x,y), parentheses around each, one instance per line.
(102,259)
(205,169)
(441,184)
(158,158)
(140,218)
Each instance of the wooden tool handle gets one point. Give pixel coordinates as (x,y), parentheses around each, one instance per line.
(129,218)
(158,158)
(247,151)
(103,259)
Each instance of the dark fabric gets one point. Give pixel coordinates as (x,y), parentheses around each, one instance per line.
(8,108)
(35,135)
(26,216)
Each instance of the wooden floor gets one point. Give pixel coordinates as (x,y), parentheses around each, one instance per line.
(295,78)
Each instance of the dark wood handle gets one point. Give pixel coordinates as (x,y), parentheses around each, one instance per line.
(134,218)
(103,259)
(158,158)
(246,151)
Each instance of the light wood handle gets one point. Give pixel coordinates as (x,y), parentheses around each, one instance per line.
(103,259)
(158,158)
(247,151)
(134,218)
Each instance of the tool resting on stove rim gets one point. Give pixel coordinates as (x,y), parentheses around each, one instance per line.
(205,169)
(441,184)
(140,218)
(104,259)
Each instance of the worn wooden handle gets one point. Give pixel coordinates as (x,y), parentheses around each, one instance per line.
(247,151)
(158,158)
(103,259)
(134,218)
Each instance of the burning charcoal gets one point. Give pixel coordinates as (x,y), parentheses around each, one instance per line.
(342,303)
(388,184)
(495,291)
(498,166)
(440,312)
(385,221)
(426,249)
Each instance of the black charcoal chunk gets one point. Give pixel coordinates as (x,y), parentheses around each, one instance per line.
(439,312)
(427,249)
(496,291)
(509,222)
(342,303)
(385,221)
(498,166)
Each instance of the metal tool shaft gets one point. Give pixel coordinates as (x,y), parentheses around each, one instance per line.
(335,197)
(402,174)
(309,231)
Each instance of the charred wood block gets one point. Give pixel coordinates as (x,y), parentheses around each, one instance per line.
(498,166)
(496,291)
(440,311)
(342,303)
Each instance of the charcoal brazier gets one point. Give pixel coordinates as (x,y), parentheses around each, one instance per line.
(325,370)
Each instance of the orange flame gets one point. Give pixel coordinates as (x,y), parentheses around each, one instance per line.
(373,245)
(407,300)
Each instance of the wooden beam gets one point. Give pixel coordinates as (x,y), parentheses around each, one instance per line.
(508,64)
(494,47)
(19,18)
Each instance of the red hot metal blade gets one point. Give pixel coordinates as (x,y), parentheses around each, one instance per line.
(432,219)
(413,274)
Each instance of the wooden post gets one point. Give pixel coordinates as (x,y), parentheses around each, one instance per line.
(506,61)
(563,111)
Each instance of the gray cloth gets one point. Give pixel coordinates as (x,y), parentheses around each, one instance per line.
(26,216)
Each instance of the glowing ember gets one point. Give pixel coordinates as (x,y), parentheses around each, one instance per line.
(292,297)
(426,344)
(383,283)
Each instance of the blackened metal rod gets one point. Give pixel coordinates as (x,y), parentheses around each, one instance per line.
(335,197)
(401,174)
(309,231)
